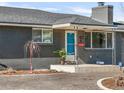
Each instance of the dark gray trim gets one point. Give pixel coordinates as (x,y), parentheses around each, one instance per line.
(27,23)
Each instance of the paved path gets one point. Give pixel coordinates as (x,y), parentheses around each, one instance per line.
(78,81)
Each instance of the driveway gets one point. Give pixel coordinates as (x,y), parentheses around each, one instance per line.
(77,81)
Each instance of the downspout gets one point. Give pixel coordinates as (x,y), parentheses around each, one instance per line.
(114,47)
(114,51)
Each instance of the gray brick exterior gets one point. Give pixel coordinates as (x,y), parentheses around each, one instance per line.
(58,43)
(12,40)
(97,55)
(119,47)
(122,47)
(23,63)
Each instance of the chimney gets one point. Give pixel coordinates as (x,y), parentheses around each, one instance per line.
(101,3)
(103,13)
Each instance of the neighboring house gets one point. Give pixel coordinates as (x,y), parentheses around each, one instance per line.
(53,31)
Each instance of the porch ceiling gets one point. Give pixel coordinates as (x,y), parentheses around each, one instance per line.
(69,26)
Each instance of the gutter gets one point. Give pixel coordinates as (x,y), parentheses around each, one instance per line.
(25,25)
(109,25)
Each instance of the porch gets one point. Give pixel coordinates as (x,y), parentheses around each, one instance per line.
(82,51)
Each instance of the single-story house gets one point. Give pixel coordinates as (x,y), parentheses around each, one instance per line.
(103,38)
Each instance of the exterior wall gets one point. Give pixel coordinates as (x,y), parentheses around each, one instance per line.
(12,40)
(23,63)
(118,38)
(97,54)
(58,43)
(122,48)
(119,47)
(103,54)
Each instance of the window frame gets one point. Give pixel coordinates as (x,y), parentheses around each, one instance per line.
(91,45)
(41,31)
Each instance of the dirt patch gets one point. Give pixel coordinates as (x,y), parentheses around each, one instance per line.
(21,72)
(111,83)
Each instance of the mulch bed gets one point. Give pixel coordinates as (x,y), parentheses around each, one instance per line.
(111,83)
(23,72)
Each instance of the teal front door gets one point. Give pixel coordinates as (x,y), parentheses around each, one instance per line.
(70,45)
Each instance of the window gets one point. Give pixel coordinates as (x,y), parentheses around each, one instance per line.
(88,39)
(109,40)
(98,40)
(47,36)
(42,36)
(36,36)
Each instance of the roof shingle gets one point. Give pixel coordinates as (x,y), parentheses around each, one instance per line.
(33,16)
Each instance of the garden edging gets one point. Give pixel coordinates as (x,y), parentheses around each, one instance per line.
(100,85)
(18,75)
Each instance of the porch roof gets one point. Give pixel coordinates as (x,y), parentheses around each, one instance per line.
(70,26)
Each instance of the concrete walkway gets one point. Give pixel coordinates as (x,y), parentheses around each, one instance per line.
(75,81)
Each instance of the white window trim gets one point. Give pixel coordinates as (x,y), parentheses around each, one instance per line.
(105,42)
(42,29)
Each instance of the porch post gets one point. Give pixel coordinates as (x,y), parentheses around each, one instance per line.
(76,40)
(113,48)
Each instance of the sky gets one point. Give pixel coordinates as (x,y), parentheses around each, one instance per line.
(81,8)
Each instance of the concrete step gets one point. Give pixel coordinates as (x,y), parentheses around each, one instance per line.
(85,68)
